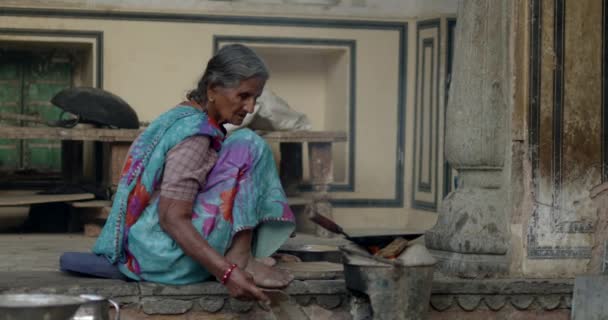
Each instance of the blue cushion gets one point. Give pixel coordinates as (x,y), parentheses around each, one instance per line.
(89,264)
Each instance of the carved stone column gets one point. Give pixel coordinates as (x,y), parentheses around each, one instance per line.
(471,236)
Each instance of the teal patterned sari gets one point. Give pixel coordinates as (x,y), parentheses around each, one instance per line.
(242,192)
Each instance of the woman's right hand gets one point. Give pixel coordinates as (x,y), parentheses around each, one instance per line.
(240,285)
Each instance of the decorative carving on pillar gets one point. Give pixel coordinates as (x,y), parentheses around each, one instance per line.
(470,238)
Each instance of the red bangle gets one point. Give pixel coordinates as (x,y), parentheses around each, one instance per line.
(227,274)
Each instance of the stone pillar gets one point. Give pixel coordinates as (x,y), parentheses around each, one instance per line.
(470,238)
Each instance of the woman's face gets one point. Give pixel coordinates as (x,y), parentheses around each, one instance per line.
(233,104)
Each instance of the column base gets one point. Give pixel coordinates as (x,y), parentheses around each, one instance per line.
(467,265)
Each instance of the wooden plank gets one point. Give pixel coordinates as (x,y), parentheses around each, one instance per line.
(17,200)
(321,166)
(113,135)
(91,204)
(109,135)
(292,201)
(393,249)
(303,136)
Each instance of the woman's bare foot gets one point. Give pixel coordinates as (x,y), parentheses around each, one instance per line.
(267,276)
(262,269)
(269,261)
(285,258)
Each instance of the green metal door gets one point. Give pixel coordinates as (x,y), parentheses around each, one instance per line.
(11,82)
(33,81)
(41,82)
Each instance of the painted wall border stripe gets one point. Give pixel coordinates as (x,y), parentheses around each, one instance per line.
(558,100)
(426,186)
(416,186)
(451,32)
(604,91)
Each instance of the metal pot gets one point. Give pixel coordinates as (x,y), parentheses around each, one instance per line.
(38,306)
(396,291)
(96,308)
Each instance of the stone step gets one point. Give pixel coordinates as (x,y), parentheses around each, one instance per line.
(143,300)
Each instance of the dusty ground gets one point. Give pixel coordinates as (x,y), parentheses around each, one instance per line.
(30,263)
(38,252)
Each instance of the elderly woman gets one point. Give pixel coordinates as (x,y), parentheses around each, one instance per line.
(193,203)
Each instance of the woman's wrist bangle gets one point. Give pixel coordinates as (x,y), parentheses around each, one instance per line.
(227,274)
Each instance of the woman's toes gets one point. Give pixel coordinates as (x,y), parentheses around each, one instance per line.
(284,257)
(286,277)
(267,261)
(276,283)
(290,278)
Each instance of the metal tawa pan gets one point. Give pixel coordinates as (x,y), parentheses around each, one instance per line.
(93,105)
(378,237)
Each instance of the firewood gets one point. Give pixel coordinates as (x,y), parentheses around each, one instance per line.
(393,249)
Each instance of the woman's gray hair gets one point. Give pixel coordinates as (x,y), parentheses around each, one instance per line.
(227,68)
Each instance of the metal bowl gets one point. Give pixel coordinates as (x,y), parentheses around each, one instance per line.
(38,306)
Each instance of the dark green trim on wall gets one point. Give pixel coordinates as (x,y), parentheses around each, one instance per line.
(397,200)
(418,185)
(351,47)
(95,35)
(199,18)
(426,185)
(604,91)
(451,32)
(558,97)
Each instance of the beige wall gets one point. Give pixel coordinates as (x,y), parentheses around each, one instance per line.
(151,64)
(313,80)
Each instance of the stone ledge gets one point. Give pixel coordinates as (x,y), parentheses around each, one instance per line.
(447,294)
(503,286)
(297,287)
(495,294)
(159,299)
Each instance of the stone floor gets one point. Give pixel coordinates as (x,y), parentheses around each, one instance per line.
(34,252)
(40,252)
(29,263)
